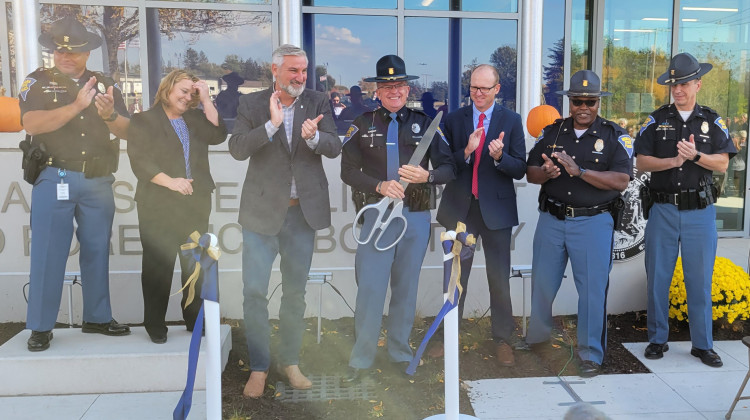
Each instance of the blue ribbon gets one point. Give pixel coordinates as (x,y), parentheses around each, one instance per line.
(204,257)
(452,258)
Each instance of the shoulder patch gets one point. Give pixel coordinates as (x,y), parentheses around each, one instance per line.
(722,125)
(350,132)
(117,87)
(442,136)
(627,143)
(650,120)
(25,86)
(541,136)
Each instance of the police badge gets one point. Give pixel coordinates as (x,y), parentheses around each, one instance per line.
(704,127)
(100,87)
(599,145)
(415,128)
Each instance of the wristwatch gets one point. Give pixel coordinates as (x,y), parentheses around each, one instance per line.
(582,171)
(111,117)
(430,176)
(697,156)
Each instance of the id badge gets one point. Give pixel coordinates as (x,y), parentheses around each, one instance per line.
(63,190)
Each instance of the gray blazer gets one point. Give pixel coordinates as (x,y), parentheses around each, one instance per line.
(268,183)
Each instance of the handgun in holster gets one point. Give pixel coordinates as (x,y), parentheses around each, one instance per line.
(34,159)
(647,200)
(617,209)
(419,197)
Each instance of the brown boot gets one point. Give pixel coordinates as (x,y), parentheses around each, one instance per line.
(255,385)
(505,355)
(296,379)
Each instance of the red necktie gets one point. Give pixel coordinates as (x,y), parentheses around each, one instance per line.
(477,155)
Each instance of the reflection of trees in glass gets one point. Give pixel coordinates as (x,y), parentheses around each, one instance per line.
(504,60)
(325,84)
(632,72)
(250,69)
(722,89)
(439,91)
(553,75)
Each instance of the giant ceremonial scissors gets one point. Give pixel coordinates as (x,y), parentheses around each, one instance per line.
(381,207)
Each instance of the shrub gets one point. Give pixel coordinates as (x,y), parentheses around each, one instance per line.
(730,293)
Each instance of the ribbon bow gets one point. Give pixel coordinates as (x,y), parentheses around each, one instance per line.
(457,246)
(204,251)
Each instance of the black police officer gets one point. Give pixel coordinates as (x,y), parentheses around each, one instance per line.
(681,144)
(72,110)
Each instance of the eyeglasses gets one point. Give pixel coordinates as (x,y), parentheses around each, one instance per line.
(391,88)
(589,102)
(484,90)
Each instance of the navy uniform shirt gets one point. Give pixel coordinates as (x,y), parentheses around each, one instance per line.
(662,130)
(363,157)
(84,136)
(605,146)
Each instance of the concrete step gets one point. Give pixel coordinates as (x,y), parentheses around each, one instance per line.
(78,363)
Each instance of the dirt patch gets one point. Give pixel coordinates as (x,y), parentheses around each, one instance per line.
(398,396)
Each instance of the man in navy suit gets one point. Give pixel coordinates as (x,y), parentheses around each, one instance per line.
(489,151)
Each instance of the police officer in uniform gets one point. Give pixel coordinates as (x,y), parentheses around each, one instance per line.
(377,148)
(72,111)
(582,163)
(681,144)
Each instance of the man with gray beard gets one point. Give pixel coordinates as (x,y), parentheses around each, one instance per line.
(284,132)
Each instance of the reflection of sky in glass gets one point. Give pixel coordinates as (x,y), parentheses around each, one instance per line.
(426,49)
(351,45)
(370,4)
(481,37)
(553,22)
(426,4)
(247,41)
(503,6)
(639,24)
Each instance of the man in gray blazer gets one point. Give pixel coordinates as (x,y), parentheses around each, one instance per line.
(283,131)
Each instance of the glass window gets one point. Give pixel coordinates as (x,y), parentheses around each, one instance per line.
(502,6)
(360,4)
(235,41)
(346,50)
(426,56)
(580,43)
(426,4)
(118,56)
(229,1)
(637,45)
(715,32)
(553,57)
(499,51)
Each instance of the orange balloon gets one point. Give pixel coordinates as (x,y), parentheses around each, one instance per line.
(540,117)
(10,115)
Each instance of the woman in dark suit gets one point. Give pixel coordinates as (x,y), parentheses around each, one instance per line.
(168,150)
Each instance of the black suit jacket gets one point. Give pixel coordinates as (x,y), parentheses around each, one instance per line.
(153,147)
(497,196)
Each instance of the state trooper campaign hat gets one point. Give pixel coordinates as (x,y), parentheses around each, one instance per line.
(69,35)
(584,83)
(390,68)
(683,68)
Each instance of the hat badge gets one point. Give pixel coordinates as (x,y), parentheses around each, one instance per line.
(585,83)
(66,38)
(390,70)
(671,72)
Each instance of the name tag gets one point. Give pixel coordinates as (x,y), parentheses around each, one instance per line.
(63,192)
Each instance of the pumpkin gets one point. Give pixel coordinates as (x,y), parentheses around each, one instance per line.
(540,117)
(10,115)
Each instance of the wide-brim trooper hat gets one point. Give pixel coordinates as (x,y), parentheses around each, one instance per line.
(390,68)
(683,68)
(584,83)
(69,35)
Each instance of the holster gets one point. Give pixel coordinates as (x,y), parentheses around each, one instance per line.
(361,199)
(647,200)
(419,197)
(617,210)
(34,159)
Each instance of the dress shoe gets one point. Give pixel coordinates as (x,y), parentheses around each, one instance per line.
(589,369)
(158,338)
(353,376)
(708,357)
(255,385)
(437,350)
(295,377)
(39,340)
(106,328)
(505,355)
(655,351)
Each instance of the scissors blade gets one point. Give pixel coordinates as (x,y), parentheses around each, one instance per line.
(424,145)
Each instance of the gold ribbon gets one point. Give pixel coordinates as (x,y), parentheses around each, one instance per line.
(212,251)
(454,282)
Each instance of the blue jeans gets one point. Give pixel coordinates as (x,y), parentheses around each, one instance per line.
(295,243)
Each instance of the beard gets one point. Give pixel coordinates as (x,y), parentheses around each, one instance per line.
(291,90)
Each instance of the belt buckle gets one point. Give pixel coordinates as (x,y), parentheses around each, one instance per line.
(570,211)
(673,199)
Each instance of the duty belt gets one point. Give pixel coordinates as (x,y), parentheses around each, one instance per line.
(685,200)
(561,210)
(92,168)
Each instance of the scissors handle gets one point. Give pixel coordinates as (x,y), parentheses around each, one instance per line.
(380,208)
(396,213)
